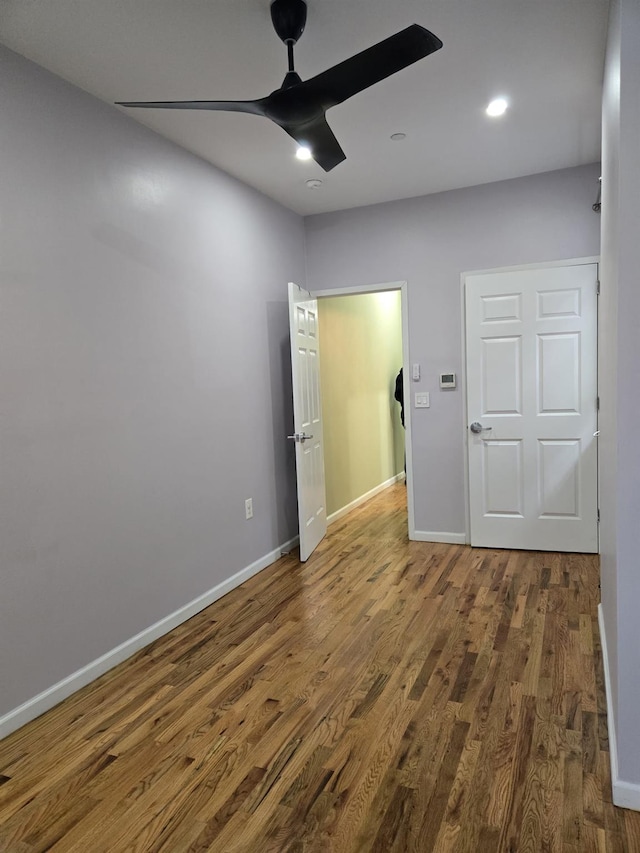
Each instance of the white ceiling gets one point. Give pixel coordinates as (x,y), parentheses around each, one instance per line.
(546,56)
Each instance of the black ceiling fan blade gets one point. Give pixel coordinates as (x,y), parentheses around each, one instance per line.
(253,107)
(320,139)
(340,82)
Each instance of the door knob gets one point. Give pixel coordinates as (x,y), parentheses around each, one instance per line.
(300,436)
(477,427)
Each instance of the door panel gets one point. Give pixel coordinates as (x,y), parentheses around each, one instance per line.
(559,467)
(559,374)
(307,414)
(501,376)
(531,386)
(503,471)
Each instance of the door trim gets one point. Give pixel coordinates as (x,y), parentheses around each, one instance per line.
(565,262)
(381,288)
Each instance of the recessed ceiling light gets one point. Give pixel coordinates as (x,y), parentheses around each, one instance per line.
(497,107)
(303,153)
(313,183)
(398,137)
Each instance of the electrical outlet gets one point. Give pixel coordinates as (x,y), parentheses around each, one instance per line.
(248,508)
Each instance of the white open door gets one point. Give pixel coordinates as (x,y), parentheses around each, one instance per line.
(307,416)
(531,407)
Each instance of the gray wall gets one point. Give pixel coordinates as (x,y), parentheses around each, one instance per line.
(144,377)
(429,241)
(620,375)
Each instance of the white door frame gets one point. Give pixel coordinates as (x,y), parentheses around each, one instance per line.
(571,262)
(382,288)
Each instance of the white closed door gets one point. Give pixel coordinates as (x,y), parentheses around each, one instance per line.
(532,408)
(307,415)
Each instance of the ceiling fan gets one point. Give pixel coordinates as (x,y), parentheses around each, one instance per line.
(299,106)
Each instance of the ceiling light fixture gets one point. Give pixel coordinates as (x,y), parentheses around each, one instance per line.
(398,137)
(303,153)
(497,107)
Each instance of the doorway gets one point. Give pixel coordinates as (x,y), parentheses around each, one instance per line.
(362,451)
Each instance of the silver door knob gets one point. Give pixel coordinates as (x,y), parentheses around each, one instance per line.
(477,427)
(300,436)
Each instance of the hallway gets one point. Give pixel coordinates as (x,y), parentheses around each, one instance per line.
(385,696)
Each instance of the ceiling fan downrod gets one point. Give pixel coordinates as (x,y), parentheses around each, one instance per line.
(289,18)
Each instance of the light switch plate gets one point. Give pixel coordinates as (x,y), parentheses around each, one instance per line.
(415,372)
(422,400)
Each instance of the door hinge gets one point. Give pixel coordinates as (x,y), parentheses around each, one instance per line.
(598,515)
(598,287)
(598,403)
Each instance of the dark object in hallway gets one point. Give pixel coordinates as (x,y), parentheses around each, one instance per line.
(399,394)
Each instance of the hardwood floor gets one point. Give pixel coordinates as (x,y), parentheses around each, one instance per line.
(385,696)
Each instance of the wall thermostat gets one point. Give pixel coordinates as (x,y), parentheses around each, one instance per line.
(447,380)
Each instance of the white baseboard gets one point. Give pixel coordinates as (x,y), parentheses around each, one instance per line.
(32,708)
(439,536)
(339,513)
(624,794)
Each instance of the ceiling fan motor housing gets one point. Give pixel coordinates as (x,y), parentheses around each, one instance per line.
(289,18)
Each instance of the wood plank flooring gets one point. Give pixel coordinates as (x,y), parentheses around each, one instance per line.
(388,696)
